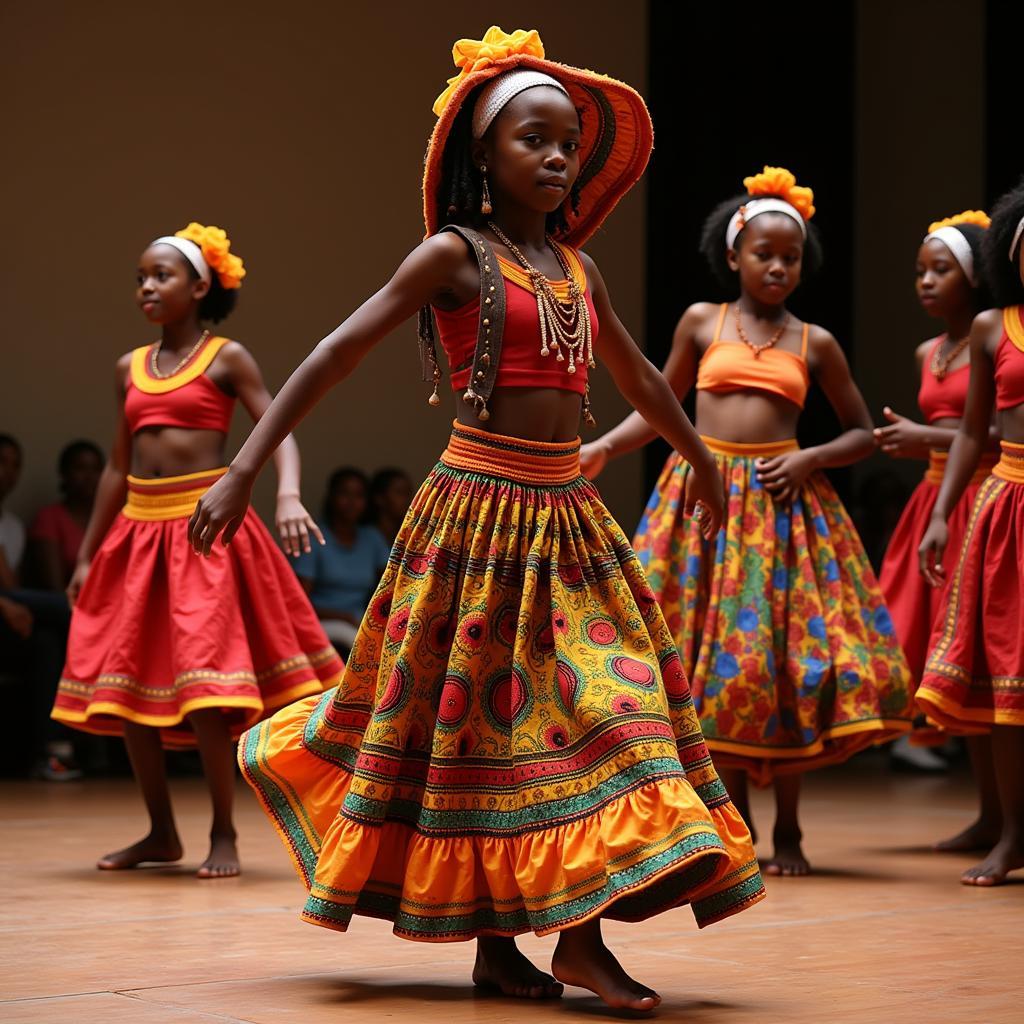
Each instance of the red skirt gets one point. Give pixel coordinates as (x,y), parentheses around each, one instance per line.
(914,605)
(975,674)
(159,632)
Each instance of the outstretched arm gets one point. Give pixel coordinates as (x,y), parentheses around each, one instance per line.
(650,394)
(425,274)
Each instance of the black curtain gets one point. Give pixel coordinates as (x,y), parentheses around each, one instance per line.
(1004,149)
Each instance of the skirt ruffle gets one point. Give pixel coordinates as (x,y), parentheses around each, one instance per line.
(158,632)
(512,746)
(783,632)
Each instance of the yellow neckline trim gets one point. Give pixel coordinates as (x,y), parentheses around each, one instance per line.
(517,275)
(1014,325)
(150,385)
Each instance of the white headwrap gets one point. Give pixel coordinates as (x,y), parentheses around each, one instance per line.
(501,90)
(752,208)
(960,248)
(190,251)
(1016,239)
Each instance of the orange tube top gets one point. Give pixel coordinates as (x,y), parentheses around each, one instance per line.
(733,366)
(1010,360)
(187,399)
(939,399)
(521,364)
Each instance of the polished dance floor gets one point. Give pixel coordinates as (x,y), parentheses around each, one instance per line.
(882,933)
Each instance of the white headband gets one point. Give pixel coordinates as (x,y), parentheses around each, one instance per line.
(1016,238)
(505,87)
(960,248)
(190,251)
(752,208)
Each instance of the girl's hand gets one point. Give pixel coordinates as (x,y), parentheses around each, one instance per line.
(593,458)
(931,551)
(222,507)
(705,488)
(903,438)
(295,524)
(77,582)
(17,616)
(783,475)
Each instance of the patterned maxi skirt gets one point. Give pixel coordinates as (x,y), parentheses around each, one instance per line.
(158,632)
(975,673)
(783,632)
(512,746)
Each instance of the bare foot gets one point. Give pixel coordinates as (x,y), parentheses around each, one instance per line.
(1006,856)
(982,835)
(223,859)
(152,849)
(788,860)
(585,961)
(500,965)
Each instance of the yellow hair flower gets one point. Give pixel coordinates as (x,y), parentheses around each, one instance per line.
(979,217)
(216,247)
(475,54)
(777,181)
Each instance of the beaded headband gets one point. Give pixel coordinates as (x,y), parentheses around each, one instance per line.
(753,208)
(1016,239)
(958,245)
(501,90)
(190,251)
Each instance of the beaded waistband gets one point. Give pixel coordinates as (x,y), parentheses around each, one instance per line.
(1011,463)
(512,458)
(761,450)
(158,499)
(937,467)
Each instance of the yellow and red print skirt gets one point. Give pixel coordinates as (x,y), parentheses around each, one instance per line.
(158,632)
(512,746)
(975,673)
(790,651)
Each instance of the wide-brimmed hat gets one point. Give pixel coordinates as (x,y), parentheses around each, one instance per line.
(617,132)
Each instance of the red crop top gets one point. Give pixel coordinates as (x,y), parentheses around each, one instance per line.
(521,364)
(946,398)
(733,366)
(1010,360)
(187,399)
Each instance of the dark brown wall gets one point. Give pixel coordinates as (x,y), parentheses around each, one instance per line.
(301,129)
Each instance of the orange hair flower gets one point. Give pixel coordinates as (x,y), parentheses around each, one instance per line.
(979,217)
(777,181)
(216,247)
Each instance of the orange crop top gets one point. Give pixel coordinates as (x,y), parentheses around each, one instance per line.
(1010,360)
(733,366)
(946,398)
(521,363)
(187,399)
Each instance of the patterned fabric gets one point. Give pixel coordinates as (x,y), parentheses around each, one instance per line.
(158,632)
(975,673)
(512,746)
(780,622)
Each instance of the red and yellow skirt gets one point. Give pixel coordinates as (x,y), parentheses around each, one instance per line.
(158,632)
(974,678)
(783,631)
(512,746)
(914,605)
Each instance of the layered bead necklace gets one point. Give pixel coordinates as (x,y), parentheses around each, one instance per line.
(565,327)
(941,364)
(154,354)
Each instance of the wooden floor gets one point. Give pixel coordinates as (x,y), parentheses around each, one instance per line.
(883,932)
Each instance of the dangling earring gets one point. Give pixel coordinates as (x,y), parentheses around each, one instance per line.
(485,202)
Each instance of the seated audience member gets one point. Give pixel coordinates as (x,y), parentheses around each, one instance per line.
(390,497)
(340,575)
(12,530)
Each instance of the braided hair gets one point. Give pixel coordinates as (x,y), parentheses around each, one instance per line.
(1001,274)
(459,195)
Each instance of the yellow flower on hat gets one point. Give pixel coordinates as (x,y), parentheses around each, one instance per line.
(472,55)
(216,248)
(777,181)
(979,217)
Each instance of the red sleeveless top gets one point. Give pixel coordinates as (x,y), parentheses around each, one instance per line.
(1010,360)
(187,399)
(946,398)
(521,364)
